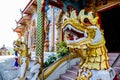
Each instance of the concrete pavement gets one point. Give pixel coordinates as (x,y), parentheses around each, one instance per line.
(7,70)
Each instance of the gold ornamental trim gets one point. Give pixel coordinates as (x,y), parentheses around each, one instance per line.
(99,44)
(108,5)
(51,69)
(74,23)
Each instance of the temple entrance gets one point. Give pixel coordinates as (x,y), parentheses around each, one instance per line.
(110,20)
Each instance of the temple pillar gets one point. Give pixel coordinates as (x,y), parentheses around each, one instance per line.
(46,28)
(53,29)
(40,32)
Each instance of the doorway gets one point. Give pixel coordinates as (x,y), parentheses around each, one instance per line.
(110,20)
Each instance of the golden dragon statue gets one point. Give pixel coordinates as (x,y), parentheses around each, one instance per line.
(84,37)
(29,67)
(21,47)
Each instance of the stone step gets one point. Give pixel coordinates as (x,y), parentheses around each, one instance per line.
(117,69)
(67,76)
(77,63)
(117,64)
(112,57)
(58,79)
(72,72)
(75,67)
(113,54)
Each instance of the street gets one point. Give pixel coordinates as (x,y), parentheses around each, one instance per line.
(7,70)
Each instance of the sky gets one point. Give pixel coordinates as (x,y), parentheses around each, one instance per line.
(9,12)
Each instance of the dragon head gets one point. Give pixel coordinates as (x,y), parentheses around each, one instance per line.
(84,37)
(82,31)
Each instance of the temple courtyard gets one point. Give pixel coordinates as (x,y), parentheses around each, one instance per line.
(8,72)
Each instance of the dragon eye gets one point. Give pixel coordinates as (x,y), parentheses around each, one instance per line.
(86,20)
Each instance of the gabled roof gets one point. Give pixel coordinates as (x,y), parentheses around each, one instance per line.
(26,9)
(23,18)
(18,29)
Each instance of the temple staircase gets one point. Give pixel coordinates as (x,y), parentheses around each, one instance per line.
(114,60)
(71,73)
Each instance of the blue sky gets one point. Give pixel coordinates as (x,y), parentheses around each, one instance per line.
(10,11)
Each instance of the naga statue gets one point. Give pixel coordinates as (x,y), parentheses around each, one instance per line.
(33,68)
(23,60)
(84,36)
(27,65)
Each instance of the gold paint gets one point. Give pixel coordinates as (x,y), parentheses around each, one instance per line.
(99,44)
(23,51)
(90,16)
(108,5)
(94,56)
(83,76)
(74,23)
(51,69)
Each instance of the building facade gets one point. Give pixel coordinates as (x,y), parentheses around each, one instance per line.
(56,13)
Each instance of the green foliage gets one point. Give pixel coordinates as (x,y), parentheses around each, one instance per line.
(62,49)
(51,59)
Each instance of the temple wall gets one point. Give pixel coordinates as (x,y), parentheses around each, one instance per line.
(32,32)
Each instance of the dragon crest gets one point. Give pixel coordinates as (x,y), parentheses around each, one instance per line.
(84,36)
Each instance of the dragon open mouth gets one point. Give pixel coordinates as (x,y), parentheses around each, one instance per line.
(73,35)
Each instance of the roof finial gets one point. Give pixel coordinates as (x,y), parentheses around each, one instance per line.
(16,22)
(21,12)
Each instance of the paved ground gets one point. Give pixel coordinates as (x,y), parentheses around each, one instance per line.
(1,77)
(7,71)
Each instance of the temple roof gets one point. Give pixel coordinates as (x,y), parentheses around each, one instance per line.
(3,47)
(23,18)
(62,4)
(18,29)
(28,8)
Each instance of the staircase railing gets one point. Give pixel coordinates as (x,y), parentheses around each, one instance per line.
(53,64)
(116,60)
